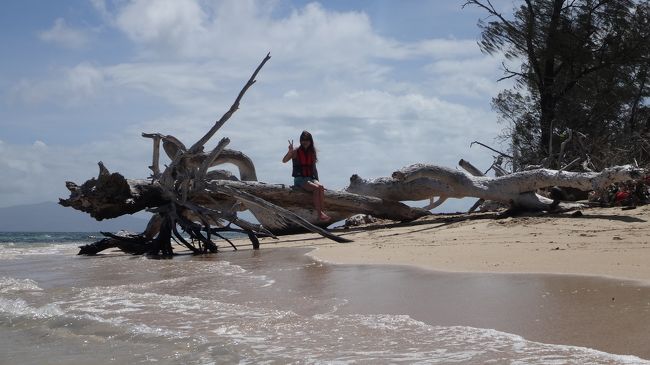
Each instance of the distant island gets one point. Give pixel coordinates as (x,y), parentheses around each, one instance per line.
(51,217)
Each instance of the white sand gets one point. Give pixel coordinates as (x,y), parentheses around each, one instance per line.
(603,242)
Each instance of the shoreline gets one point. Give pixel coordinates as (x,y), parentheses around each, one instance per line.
(385,312)
(632,281)
(603,242)
(542,277)
(546,310)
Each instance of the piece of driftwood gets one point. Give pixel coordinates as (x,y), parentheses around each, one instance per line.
(516,189)
(419,181)
(213,208)
(474,172)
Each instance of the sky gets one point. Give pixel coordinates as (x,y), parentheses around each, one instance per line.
(380,84)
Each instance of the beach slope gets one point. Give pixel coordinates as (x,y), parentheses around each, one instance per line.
(609,242)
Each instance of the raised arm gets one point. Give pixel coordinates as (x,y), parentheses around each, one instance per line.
(289,154)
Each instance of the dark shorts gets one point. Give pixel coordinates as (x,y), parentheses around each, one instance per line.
(299,181)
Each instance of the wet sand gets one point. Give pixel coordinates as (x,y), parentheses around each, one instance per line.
(601,299)
(607,315)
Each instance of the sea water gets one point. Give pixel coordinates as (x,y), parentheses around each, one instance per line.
(272,306)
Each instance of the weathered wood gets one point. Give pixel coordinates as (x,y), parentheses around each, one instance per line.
(209,159)
(388,188)
(420,181)
(243,163)
(470,168)
(284,213)
(111,196)
(338,204)
(435,203)
(198,146)
(475,172)
(155,160)
(514,188)
(490,148)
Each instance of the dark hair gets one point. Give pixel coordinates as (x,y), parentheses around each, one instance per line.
(306,136)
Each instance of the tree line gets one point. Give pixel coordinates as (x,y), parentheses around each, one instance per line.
(582,82)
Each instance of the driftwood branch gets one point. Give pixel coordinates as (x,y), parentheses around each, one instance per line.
(233,108)
(284,213)
(515,188)
(490,148)
(207,162)
(475,172)
(155,160)
(570,164)
(467,166)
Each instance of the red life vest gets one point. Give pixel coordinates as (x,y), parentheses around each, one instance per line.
(304,164)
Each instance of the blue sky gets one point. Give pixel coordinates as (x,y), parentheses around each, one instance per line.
(381,85)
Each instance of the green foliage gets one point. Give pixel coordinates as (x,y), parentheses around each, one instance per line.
(585,67)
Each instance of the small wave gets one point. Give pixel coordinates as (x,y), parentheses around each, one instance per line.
(16,251)
(8,285)
(259,334)
(44,238)
(20,308)
(262,334)
(461,343)
(396,339)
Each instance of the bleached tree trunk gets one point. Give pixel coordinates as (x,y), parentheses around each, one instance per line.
(421,181)
(112,195)
(204,203)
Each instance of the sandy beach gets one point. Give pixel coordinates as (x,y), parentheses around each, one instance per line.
(607,242)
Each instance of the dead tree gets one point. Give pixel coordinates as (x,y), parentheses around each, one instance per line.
(518,190)
(194,204)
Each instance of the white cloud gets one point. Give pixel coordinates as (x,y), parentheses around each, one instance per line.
(162,22)
(69,87)
(291,94)
(224,40)
(101,8)
(26,173)
(38,172)
(444,48)
(62,34)
(83,80)
(242,30)
(39,144)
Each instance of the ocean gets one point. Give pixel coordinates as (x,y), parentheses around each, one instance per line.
(279,306)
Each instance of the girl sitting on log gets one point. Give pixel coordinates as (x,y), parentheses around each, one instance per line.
(304,172)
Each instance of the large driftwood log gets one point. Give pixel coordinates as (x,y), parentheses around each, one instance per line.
(283,209)
(339,204)
(204,203)
(97,197)
(517,189)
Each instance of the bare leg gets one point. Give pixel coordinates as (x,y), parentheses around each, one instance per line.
(310,186)
(321,198)
(318,192)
